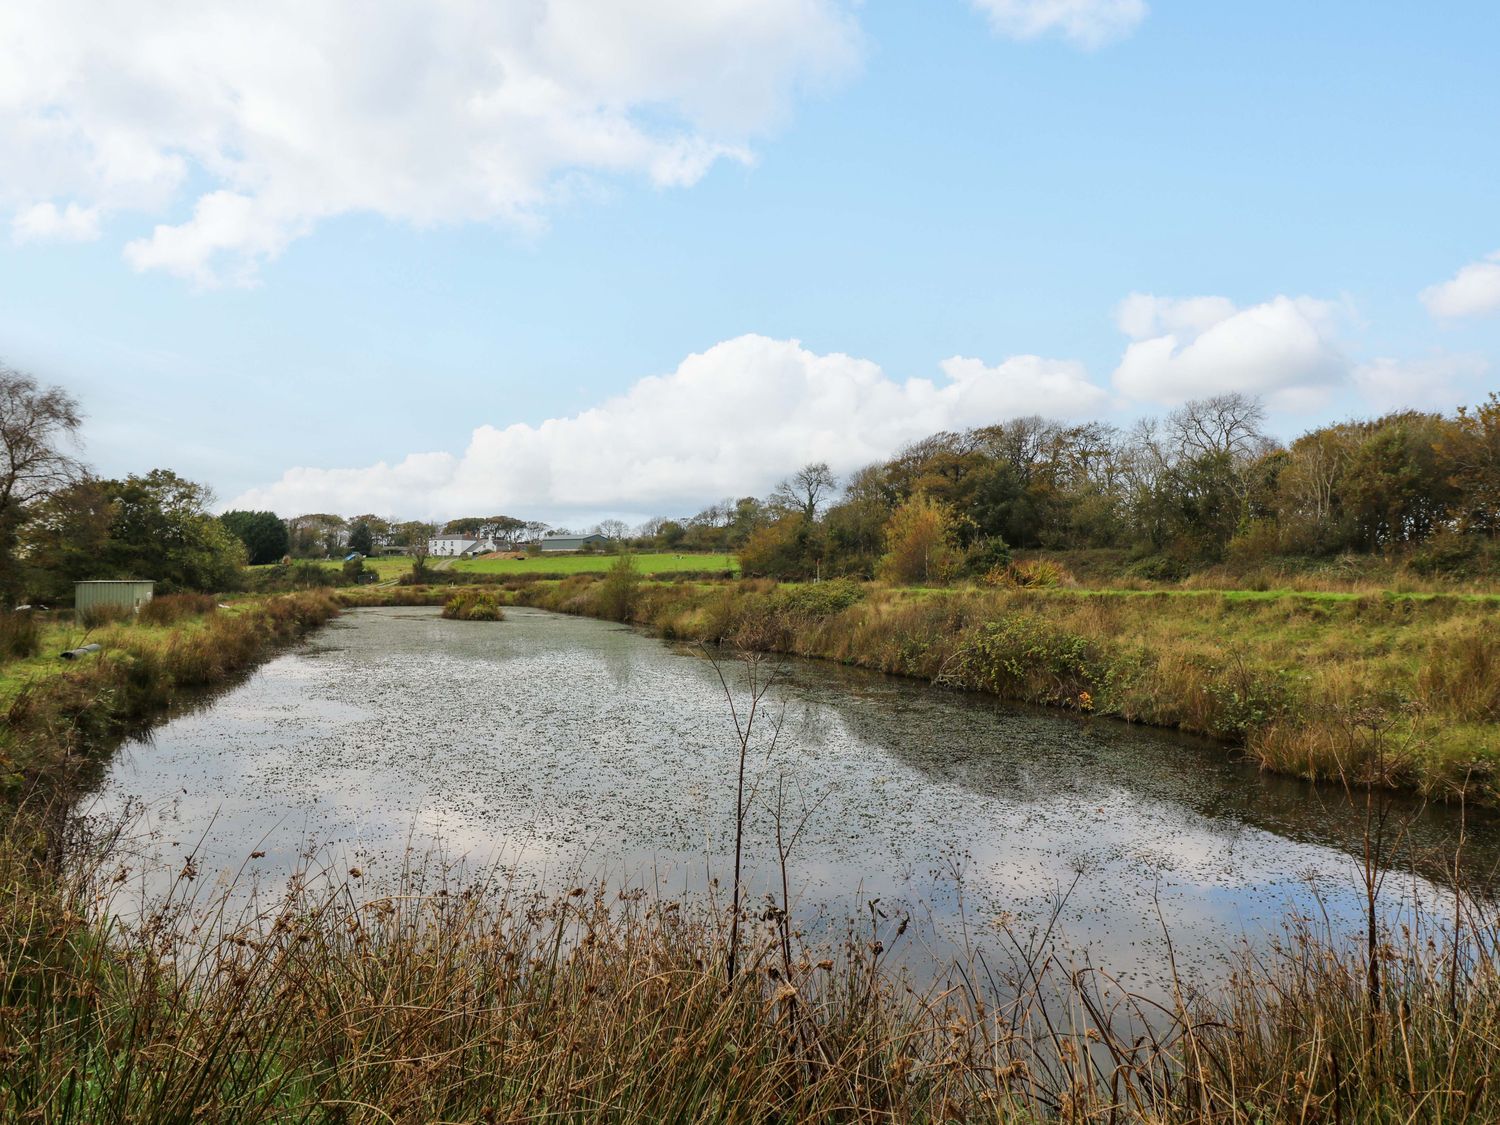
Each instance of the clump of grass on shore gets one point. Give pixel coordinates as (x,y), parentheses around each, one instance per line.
(472,604)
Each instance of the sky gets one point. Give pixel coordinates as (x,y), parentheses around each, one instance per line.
(567,259)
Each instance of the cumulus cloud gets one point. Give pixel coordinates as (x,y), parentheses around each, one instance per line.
(1187,348)
(1084,23)
(284,113)
(1028,384)
(1439,382)
(728,421)
(1472,291)
(46,222)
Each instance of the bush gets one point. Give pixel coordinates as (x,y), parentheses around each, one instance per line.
(1024,656)
(102,615)
(822,599)
(620,589)
(987,556)
(1157,568)
(1447,554)
(474,605)
(172,608)
(19,636)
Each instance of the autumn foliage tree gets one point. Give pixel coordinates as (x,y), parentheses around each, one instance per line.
(919,542)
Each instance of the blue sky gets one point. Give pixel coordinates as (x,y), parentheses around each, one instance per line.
(789,214)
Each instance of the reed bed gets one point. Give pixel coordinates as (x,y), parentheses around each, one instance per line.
(479,1002)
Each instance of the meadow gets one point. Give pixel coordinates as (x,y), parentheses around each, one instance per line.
(650,563)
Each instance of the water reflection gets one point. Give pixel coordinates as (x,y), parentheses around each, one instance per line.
(567,748)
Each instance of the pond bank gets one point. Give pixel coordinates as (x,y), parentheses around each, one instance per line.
(1399,692)
(59,715)
(438,1003)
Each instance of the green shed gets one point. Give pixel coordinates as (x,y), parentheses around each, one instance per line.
(129,593)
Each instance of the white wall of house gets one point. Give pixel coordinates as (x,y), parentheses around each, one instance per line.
(446,546)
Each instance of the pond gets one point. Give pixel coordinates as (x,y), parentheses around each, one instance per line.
(571,750)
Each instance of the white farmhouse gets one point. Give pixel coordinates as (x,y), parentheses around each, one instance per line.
(458,546)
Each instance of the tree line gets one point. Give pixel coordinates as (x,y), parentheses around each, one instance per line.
(1202,484)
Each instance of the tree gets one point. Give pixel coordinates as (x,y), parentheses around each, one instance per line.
(380,528)
(1471,450)
(360,539)
(162,530)
(618,591)
(789,549)
(263,534)
(919,544)
(65,540)
(318,534)
(613,529)
(1228,424)
(417,536)
(808,489)
(35,425)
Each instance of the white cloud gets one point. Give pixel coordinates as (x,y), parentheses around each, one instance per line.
(1472,291)
(283,113)
(1084,23)
(1028,384)
(729,421)
(1188,348)
(1440,382)
(44,222)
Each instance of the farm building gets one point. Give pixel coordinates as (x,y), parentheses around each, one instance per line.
(458,546)
(128,594)
(573,543)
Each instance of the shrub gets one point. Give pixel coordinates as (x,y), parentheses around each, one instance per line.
(474,605)
(307,576)
(823,599)
(620,589)
(1157,568)
(987,556)
(172,608)
(355,572)
(1447,553)
(19,636)
(102,615)
(1023,656)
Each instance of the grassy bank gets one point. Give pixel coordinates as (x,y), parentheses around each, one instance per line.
(60,714)
(1402,691)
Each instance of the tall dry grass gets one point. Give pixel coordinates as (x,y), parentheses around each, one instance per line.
(440,1001)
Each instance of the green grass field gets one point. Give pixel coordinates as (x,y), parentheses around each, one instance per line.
(664,563)
(390,567)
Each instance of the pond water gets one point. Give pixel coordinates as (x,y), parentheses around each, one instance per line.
(569,750)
